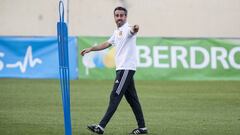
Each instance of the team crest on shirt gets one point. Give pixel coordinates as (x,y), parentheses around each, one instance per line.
(120,33)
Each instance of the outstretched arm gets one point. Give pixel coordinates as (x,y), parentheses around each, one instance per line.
(95,48)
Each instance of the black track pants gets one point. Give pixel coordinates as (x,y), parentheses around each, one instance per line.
(124,85)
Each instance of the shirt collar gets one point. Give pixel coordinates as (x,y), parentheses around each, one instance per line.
(123,26)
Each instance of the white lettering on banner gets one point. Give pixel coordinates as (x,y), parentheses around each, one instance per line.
(28,59)
(174,56)
(145,55)
(1,62)
(221,58)
(160,56)
(232,56)
(193,52)
(181,57)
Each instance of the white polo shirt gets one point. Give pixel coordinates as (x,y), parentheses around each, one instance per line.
(126,50)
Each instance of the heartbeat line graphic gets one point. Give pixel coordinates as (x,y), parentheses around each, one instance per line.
(28,59)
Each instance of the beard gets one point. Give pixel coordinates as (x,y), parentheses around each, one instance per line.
(120,23)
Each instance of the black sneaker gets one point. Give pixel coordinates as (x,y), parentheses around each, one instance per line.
(95,129)
(138,131)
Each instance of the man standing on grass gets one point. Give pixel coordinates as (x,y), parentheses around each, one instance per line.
(124,39)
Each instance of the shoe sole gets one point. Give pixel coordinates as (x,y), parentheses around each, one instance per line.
(92,131)
(139,134)
(89,129)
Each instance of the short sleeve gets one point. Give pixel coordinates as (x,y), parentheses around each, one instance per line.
(130,34)
(111,39)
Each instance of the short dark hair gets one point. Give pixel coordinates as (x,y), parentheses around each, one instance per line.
(120,8)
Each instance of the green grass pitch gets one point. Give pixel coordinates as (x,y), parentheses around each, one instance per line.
(34,107)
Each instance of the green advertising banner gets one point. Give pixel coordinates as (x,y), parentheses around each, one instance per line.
(168,59)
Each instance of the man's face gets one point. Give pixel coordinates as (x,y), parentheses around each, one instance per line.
(120,17)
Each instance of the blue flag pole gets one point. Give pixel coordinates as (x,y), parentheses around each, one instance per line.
(62,35)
